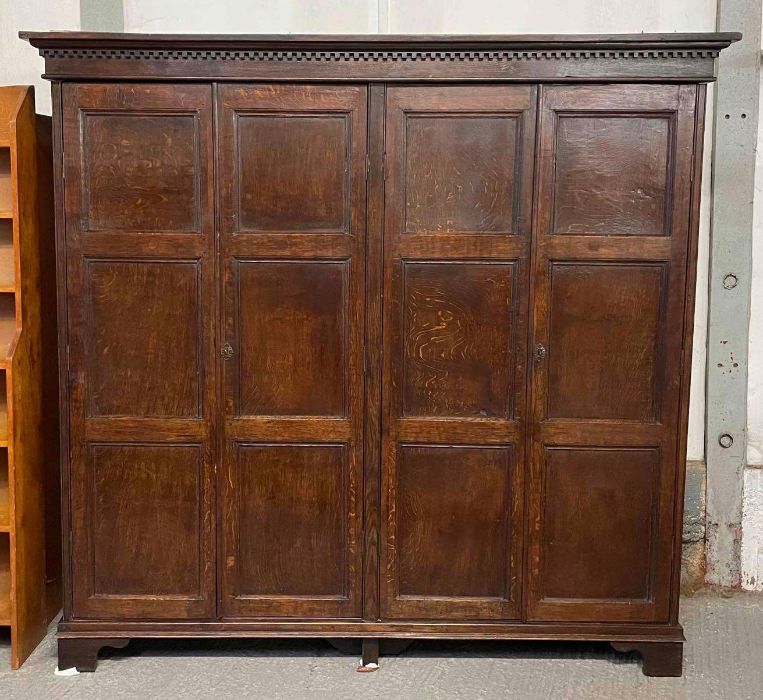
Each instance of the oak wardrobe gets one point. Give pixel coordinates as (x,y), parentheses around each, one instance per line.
(376,338)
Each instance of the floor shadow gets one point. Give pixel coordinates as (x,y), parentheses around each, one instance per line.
(425,649)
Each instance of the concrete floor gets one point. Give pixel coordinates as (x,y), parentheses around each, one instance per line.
(723,660)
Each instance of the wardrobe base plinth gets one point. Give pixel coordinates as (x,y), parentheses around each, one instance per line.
(662,659)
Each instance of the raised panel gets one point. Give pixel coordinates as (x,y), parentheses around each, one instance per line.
(452,512)
(598,528)
(606,339)
(458,323)
(140,171)
(293,520)
(292,172)
(145,520)
(142,355)
(292,337)
(461,173)
(612,174)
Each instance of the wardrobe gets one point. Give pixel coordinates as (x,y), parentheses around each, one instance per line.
(376,338)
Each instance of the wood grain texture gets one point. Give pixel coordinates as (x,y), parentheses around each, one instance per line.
(606,335)
(397,456)
(29,465)
(141,328)
(452,521)
(293,337)
(149,343)
(274,152)
(613,337)
(599,523)
(146,501)
(291,522)
(459,173)
(292,260)
(612,175)
(455,332)
(140,172)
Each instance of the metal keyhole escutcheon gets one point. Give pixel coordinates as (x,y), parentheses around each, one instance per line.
(540,352)
(226,351)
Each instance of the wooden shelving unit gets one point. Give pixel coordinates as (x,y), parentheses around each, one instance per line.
(30,569)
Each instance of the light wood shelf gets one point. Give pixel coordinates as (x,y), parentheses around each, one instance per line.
(30,573)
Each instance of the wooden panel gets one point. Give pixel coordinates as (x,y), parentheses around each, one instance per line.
(143,544)
(140,172)
(275,152)
(458,188)
(141,331)
(145,509)
(292,338)
(612,174)
(452,521)
(292,520)
(457,332)
(599,523)
(608,318)
(606,338)
(292,164)
(144,324)
(460,172)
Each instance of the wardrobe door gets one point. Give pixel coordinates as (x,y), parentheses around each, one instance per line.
(459,163)
(292,168)
(139,246)
(610,259)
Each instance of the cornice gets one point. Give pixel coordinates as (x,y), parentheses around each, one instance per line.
(671,57)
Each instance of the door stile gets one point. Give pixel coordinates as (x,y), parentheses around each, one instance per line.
(373,349)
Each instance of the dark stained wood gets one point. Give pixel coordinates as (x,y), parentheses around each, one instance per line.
(530,57)
(274,152)
(141,351)
(144,345)
(373,356)
(293,350)
(457,359)
(436,353)
(599,515)
(608,338)
(453,505)
(291,518)
(82,654)
(664,659)
(606,333)
(293,318)
(455,350)
(370,652)
(145,501)
(139,172)
(611,174)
